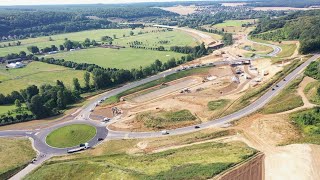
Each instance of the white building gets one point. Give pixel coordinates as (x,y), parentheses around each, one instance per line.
(16,65)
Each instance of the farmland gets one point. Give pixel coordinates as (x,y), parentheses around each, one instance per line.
(36,73)
(126,58)
(122,37)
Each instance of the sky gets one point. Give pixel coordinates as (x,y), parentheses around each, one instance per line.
(45,2)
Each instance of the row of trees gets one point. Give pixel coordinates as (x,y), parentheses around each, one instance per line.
(195,52)
(68,44)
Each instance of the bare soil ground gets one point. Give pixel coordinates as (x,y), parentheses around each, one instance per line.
(182,10)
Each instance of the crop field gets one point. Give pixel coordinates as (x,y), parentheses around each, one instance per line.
(36,73)
(71,135)
(175,38)
(14,155)
(126,58)
(184,163)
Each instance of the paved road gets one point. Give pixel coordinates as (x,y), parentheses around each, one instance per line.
(276,49)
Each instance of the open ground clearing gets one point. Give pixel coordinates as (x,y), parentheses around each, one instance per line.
(71,135)
(266,132)
(192,93)
(15,154)
(37,73)
(126,58)
(148,159)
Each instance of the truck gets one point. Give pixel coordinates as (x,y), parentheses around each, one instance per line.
(80,148)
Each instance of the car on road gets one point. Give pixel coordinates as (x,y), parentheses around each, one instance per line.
(197,127)
(164,132)
(91,110)
(284,80)
(100,139)
(106,119)
(277,85)
(273,89)
(33,160)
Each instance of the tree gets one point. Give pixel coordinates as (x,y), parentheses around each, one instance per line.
(87,79)
(30,92)
(18,104)
(54,48)
(76,84)
(131,33)
(36,106)
(114,36)
(94,43)
(33,49)
(22,54)
(61,47)
(86,43)
(68,44)
(61,100)
(50,39)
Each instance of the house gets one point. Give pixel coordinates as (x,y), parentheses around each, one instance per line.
(15,65)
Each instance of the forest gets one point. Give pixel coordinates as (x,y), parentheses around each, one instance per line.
(32,21)
(302,26)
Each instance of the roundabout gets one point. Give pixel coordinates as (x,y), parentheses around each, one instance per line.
(71,135)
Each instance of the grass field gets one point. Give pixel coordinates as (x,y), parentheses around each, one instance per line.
(166,119)
(37,73)
(71,135)
(181,74)
(5,108)
(237,23)
(14,155)
(175,38)
(178,38)
(200,161)
(311,92)
(233,26)
(308,121)
(126,58)
(286,100)
(218,104)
